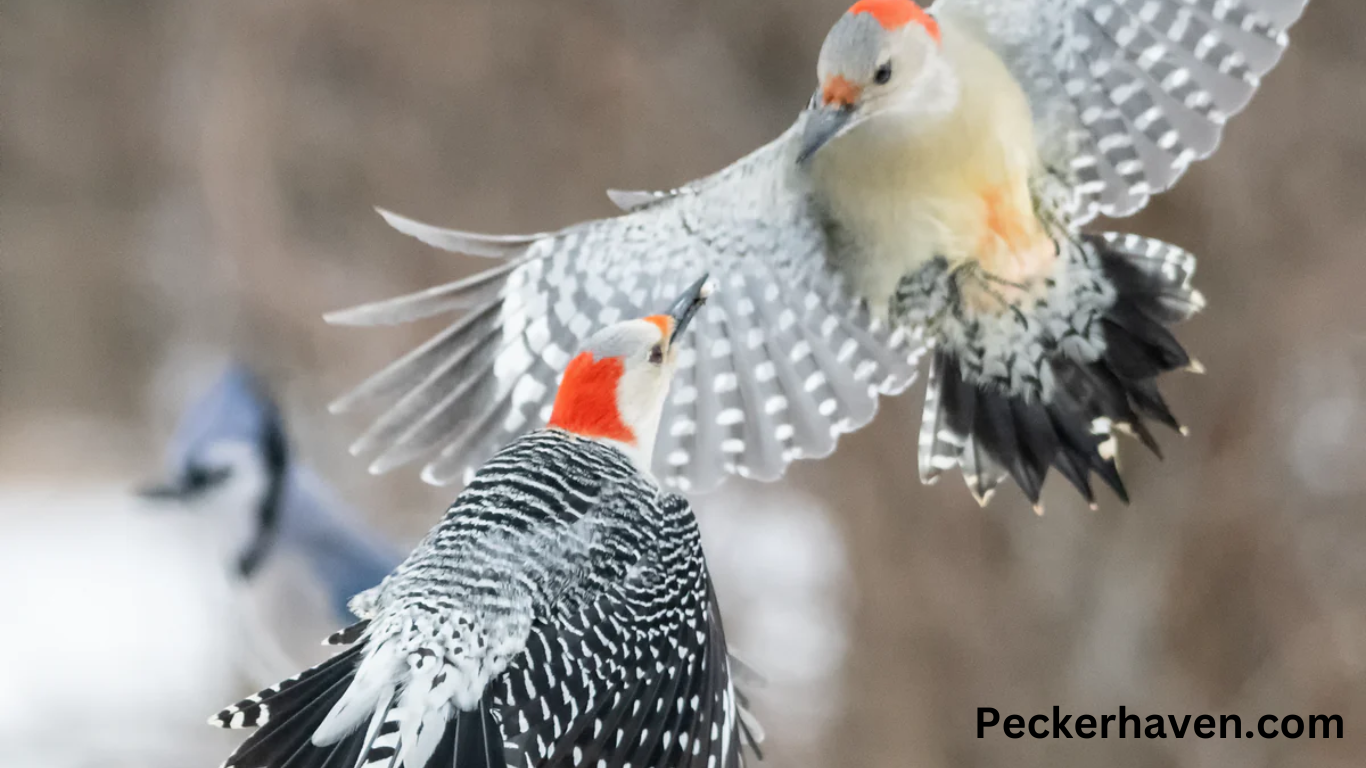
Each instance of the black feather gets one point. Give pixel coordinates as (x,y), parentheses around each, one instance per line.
(348,635)
(1166,300)
(1038,444)
(1073,468)
(1111,399)
(284,739)
(478,743)
(1109,472)
(1147,400)
(1159,342)
(994,428)
(286,697)
(957,397)
(1128,357)
(1075,437)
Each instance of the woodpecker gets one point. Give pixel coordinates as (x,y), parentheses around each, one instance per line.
(230,459)
(559,614)
(930,197)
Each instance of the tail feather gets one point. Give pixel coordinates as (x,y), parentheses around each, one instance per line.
(348,635)
(287,716)
(293,732)
(991,430)
(343,754)
(284,697)
(1038,444)
(1074,470)
(1089,441)
(1148,401)
(477,739)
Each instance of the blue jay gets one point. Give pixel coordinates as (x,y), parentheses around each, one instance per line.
(230,458)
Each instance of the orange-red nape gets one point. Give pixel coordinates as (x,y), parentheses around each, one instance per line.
(663,322)
(587,401)
(895,14)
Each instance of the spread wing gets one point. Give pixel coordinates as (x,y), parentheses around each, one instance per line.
(777,365)
(1127,93)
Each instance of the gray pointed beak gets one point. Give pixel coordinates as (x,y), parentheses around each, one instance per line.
(687,305)
(174,490)
(823,123)
(185,486)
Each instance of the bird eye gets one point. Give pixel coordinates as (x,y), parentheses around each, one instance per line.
(201,478)
(883,73)
(656,354)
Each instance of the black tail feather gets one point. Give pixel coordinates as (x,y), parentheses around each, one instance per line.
(1086,447)
(1075,472)
(1038,444)
(348,635)
(477,741)
(1148,401)
(979,426)
(288,714)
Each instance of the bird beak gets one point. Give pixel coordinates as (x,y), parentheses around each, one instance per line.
(687,305)
(184,487)
(823,123)
(173,490)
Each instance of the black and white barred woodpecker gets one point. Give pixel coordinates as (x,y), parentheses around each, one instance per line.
(560,614)
(930,196)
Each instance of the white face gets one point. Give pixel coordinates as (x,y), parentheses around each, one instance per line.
(645,386)
(241,468)
(615,388)
(648,364)
(868,73)
(231,479)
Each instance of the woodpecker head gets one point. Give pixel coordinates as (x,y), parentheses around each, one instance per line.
(229,459)
(881,58)
(615,389)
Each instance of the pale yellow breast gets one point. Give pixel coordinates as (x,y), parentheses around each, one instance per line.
(909,188)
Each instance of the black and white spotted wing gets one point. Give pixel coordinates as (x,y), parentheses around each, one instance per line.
(631,677)
(1127,93)
(776,367)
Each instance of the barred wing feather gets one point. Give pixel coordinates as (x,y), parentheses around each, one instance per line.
(779,363)
(1127,93)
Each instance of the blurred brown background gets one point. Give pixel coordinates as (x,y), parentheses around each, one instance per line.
(184,179)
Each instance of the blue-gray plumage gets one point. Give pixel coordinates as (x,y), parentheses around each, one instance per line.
(230,456)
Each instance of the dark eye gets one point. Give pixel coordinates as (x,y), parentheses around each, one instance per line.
(200,478)
(656,354)
(883,74)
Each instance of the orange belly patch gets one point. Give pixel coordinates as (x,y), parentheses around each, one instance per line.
(1013,249)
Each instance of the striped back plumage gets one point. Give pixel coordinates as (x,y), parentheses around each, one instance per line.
(569,592)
